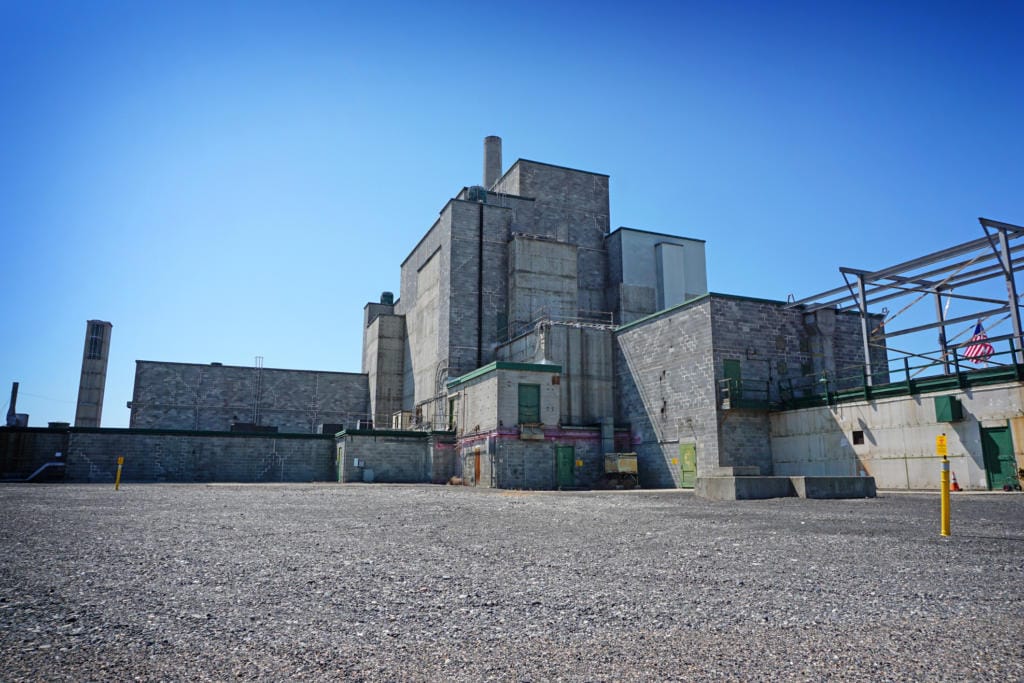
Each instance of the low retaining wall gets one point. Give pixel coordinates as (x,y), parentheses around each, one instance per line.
(170,456)
(759,488)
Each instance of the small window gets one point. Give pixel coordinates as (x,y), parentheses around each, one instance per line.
(858,437)
(529,403)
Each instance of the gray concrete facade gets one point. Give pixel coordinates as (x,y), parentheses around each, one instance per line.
(384,361)
(670,372)
(652,271)
(398,457)
(90,455)
(214,397)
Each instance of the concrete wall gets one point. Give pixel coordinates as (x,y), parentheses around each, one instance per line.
(542,280)
(508,462)
(586,358)
(476,405)
(425,300)
(508,395)
(212,397)
(176,457)
(836,345)
(490,401)
(899,438)
(669,369)
(24,449)
(665,391)
(651,271)
(479,281)
(572,207)
(383,363)
(395,457)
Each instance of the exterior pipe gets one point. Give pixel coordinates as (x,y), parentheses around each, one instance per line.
(480,292)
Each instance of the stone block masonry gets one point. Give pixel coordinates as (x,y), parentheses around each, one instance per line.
(395,457)
(23,450)
(154,456)
(665,390)
(212,397)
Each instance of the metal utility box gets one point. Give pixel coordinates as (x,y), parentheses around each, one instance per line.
(948,409)
(620,463)
(620,470)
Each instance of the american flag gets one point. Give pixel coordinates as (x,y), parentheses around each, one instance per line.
(979,350)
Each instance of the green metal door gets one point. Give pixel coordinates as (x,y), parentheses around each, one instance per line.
(529,403)
(687,465)
(997,450)
(731,370)
(564,457)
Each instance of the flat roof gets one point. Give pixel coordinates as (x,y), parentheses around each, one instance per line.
(245,367)
(651,232)
(503,365)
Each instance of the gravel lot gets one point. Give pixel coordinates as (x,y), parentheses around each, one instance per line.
(379,582)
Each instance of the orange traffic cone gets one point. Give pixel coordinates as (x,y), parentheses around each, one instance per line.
(955,486)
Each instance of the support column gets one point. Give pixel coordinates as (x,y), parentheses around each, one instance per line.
(1005,259)
(862,300)
(941,318)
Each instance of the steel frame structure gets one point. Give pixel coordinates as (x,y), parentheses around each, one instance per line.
(936,275)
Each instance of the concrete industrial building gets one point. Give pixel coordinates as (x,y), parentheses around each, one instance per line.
(530,339)
(526,327)
(223,398)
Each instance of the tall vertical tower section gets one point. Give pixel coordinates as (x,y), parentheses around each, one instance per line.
(94,373)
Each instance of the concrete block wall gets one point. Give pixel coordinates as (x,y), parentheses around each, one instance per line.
(586,358)
(509,462)
(479,288)
(665,391)
(744,440)
(508,395)
(425,302)
(849,351)
(491,401)
(176,457)
(383,363)
(525,465)
(572,207)
(769,342)
(899,437)
(476,405)
(631,302)
(411,457)
(198,397)
(542,280)
(23,450)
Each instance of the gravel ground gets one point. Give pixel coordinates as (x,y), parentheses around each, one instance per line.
(378,582)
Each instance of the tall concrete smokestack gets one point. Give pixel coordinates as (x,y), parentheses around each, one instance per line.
(12,411)
(94,374)
(492,160)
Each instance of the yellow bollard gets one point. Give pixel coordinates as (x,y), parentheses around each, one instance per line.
(120,462)
(944,494)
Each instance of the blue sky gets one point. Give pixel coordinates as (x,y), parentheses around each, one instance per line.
(223,180)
